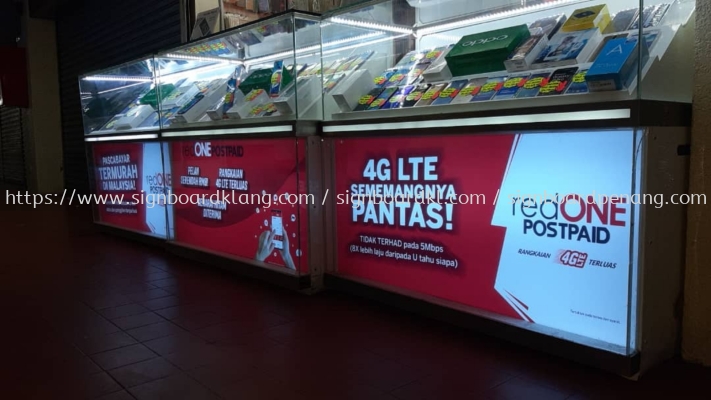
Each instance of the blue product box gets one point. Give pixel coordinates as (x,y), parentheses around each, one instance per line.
(512,86)
(616,65)
(397,100)
(450,92)
(489,89)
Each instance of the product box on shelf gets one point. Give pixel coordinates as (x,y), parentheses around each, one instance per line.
(651,16)
(347,93)
(380,101)
(151,98)
(242,110)
(588,18)
(568,48)
(134,117)
(579,84)
(485,52)
(258,79)
(549,26)
(489,89)
(397,100)
(301,93)
(197,108)
(450,92)
(438,70)
(623,20)
(524,56)
(616,65)
(603,42)
(415,95)
(181,96)
(512,86)
(367,99)
(431,95)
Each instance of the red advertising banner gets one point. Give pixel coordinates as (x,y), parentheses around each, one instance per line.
(129,182)
(244,198)
(521,225)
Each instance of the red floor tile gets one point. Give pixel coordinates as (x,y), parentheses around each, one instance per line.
(94,316)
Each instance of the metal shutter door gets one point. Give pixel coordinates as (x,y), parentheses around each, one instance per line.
(12,149)
(98,35)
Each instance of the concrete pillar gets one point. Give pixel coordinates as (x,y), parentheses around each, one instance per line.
(44,134)
(696,336)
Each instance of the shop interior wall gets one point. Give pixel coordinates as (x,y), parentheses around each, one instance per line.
(93,35)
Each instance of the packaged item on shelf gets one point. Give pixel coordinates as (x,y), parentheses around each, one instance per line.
(415,95)
(332,82)
(438,70)
(579,84)
(436,54)
(489,89)
(617,64)
(525,54)
(588,18)
(151,98)
(485,52)
(134,117)
(471,89)
(383,79)
(512,86)
(345,65)
(603,42)
(398,99)
(358,61)
(658,16)
(650,17)
(277,72)
(415,74)
(410,59)
(269,110)
(258,79)
(301,93)
(256,97)
(550,26)
(398,78)
(650,37)
(568,48)
(180,96)
(431,95)
(333,67)
(380,101)
(533,85)
(233,95)
(450,92)
(346,93)
(311,70)
(365,100)
(623,20)
(558,82)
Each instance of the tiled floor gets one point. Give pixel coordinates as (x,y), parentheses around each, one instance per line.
(90,316)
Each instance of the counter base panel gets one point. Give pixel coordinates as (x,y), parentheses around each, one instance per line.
(626,366)
(275,276)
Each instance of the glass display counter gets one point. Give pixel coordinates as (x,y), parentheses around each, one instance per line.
(490,161)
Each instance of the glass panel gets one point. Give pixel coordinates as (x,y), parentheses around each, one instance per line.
(120,100)
(243,74)
(471,55)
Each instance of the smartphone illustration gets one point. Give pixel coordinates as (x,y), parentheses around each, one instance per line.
(277,230)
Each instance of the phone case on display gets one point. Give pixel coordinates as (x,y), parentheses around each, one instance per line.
(415,95)
(489,89)
(379,102)
(558,82)
(533,85)
(579,84)
(397,100)
(512,86)
(450,92)
(431,95)
(468,92)
(365,100)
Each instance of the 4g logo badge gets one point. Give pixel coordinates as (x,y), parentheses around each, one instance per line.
(573,258)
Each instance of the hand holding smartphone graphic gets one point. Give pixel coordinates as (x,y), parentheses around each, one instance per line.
(276,238)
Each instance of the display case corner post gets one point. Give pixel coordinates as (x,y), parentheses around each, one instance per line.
(696,327)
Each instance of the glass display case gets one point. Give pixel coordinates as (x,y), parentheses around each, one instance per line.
(267,70)
(405,58)
(121,99)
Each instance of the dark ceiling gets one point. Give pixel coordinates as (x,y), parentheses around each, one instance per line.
(11,12)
